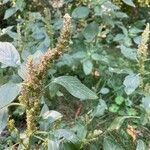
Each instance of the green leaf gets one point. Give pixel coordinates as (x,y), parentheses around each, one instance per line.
(129,2)
(3,118)
(100,109)
(104,91)
(52,115)
(20,4)
(100,58)
(87,67)
(81,131)
(79,55)
(48,117)
(128,42)
(38,34)
(9,56)
(8,92)
(146,104)
(119,37)
(134,31)
(53,89)
(137,40)
(119,100)
(141,145)
(44,110)
(22,71)
(129,52)
(116,124)
(9,12)
(121,15)
(131,111)
(131,82)
(75,87)
(114,108)
(80,12)
(67,135)
(91,31)
(96,57)
(110,144)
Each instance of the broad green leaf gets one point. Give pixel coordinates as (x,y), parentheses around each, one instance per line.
(58,24)
(66,59)
(87,66)
(117,123)
(8,92)
(44,45)
(146,103)
(80,130)
(96,57)
(75,87)
(22,71)
(121,15)
(134,31)
(120,71)
(129,52)
(44,110)
(141,145)
(3,118)
(36,56)
(48,117)
(79,55)
(9,12)
(100,109)
(38,34)
(53,89)
(100,58)
(119,37)
(129,2)
(9,56)
(131,83)
(110,144)
(52,115)
(128,42)
(67,135)
(20,4)
(137,40)
(80,12)
(91,31)
(53,145)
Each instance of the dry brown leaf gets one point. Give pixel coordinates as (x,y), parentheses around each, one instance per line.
(132,132)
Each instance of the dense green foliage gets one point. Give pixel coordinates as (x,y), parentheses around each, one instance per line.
(92,90)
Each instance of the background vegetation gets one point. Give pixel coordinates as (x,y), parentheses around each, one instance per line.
(74,74)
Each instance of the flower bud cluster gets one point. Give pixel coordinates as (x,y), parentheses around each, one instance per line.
(143,52)
(32,86)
